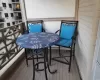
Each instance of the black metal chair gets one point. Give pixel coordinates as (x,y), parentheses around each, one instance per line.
(67,33)
(32,27)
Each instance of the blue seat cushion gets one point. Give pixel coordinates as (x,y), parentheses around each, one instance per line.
(34,28)
(64,42)
(67,31)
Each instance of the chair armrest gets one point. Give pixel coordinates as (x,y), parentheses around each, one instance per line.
(57,31)
(75,35)
(26,32)
(43,30)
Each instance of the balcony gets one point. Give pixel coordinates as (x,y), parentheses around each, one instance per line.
(9,51)
(87,52)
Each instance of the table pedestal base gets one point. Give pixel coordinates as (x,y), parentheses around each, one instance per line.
(46,65)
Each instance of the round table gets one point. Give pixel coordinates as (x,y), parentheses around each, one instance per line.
(41,40)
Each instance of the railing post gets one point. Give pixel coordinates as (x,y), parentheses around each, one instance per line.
(23,28)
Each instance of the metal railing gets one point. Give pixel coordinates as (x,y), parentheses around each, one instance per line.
(8,46)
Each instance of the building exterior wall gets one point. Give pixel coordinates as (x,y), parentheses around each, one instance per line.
(88,24)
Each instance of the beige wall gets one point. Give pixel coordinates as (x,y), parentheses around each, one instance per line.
(50,8)
(52,12)
(88,22)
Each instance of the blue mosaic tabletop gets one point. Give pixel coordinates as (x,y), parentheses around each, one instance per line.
(37,40)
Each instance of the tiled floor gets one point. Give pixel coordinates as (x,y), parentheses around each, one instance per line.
(25,73)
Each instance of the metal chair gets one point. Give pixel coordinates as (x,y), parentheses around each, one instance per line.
(33,27)
(67,33)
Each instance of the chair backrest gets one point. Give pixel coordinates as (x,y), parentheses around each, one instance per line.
(68,29)
(35,26)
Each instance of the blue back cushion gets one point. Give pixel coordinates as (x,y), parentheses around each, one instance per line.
(34,28)
(67,31)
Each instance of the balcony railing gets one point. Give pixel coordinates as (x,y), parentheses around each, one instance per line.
(8,46)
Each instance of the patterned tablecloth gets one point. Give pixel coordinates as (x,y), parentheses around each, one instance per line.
(37,40)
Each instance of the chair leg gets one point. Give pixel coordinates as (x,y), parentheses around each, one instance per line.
(47,54)
(70,60)
(74,51)
(59,51)
(37,62)
(33,68)
(26,57)
(50,55)
(45,64)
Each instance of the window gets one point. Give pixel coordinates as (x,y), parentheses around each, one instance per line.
(10,6)
(12,15)
(8,24)
(4,4)
(13,23)
(6,14)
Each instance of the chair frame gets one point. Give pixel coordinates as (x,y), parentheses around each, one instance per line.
(72,47)
(28,50)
